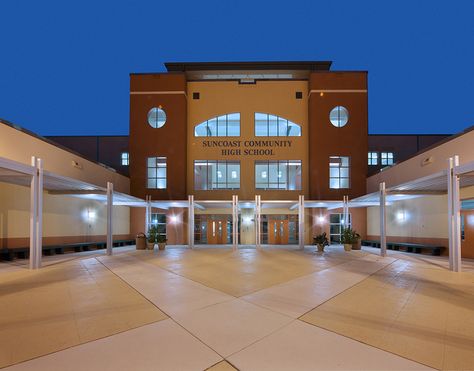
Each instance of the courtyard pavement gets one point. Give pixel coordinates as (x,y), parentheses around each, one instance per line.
(219,309)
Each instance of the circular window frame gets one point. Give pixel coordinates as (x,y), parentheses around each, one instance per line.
(341,121)
(156,117)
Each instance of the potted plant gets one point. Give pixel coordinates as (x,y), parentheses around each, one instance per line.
(161,240)
(320,241)
(152,236)
(350,238)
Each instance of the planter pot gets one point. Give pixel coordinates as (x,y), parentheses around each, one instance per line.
(140,242)
(320,247)
(356,246)
(161,246)
(150,245)
(347,247)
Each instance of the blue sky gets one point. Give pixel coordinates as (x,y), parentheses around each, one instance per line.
(64,66)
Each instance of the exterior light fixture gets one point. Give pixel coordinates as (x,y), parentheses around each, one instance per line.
(174,219)
(321,219)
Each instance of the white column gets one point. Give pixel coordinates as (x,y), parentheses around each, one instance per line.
(383,220)
(301,221)
(33,214)
(147,213)
(110,204)
(39,218)
(191,221)
(257,221)
(235,222)
(456,220)
(450,211)
(345,212)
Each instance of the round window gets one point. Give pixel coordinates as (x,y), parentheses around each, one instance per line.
(339,116)
(156,117)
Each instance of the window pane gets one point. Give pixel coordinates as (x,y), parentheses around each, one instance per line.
(151,183)
(261,178)
(344,172)
(212,127)
(294,175)
(156,117)
(161,172)
(282,127)
(344,183)
(201,130)
(339,116)
(222,126)
(294,130)
(200,175)
(273,174)
(233,125)
(222,174)
(334,218)
(334,172)
(152,172)
(334,183)
(261,124)
(233,175)
(161,183)
(272,125)
(151,161)
(161,218)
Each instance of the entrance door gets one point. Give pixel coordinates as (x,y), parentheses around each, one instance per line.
(278,232)
(217,231)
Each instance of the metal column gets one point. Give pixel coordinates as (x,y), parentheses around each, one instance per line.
(257,221)
(147,213)
(301,222)
(110,204)
(191,221)
(456,217)
(39,219)
(36,213)
(235,222)
(383,220)
(450,212)
(345,211)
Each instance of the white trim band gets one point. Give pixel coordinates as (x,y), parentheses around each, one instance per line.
(157,92)
(339,91)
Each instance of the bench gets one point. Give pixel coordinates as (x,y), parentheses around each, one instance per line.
(24,252)
(407,247)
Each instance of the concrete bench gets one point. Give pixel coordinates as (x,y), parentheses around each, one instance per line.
(24,252)
(416,248)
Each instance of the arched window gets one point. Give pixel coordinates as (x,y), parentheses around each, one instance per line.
(267,125)
(221,126)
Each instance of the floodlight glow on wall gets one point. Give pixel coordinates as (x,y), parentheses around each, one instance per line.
(89,215)
(401,216)
(247,220)
(174,219)
(321,219)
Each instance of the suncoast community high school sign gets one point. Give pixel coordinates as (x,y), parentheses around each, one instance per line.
(247,147)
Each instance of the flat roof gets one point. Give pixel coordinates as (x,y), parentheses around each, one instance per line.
(226,66)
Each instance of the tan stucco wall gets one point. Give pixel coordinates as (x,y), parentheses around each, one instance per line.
(62,215)
(425,217)
(273,97)
(18,146)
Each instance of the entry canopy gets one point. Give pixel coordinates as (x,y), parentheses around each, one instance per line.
(434,184)
(20,174)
